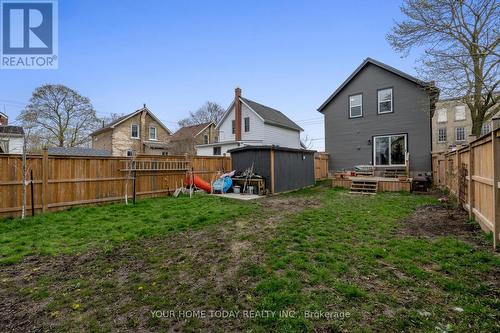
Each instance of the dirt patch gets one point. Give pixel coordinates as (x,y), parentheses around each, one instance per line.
(437,221)
(204,261)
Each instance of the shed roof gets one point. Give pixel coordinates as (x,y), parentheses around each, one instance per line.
(276,148)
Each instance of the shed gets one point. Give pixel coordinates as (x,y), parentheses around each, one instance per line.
(284,169)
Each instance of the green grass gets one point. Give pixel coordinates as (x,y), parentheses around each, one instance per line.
(348,257)
(78,229)
(336,253)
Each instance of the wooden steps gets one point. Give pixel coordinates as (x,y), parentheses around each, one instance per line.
(394,172)
(364,186)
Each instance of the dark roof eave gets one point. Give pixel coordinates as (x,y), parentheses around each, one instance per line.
(381,65)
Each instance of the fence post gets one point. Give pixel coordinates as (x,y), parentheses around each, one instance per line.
(470,183)
(495,144)
(45,179)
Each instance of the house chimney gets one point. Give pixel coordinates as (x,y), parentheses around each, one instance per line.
(237,111)
(4,120)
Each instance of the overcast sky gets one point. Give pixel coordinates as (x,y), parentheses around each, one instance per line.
(175,55)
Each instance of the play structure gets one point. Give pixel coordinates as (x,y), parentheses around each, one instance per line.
(220,185)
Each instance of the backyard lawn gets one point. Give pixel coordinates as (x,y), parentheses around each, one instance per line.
(318,260)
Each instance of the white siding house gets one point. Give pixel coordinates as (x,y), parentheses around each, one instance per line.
(259,125)
(11,139)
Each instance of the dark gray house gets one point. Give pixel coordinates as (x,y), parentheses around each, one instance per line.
(380,116)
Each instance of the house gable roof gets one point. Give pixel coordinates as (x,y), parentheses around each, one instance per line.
(269,115)
(388,68)
(120,120)
(190,131)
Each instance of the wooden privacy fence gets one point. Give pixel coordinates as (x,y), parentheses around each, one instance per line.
(472,173)
(321,166)
(60,182)
(63,181)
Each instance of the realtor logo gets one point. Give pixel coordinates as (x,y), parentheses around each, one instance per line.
(28,34)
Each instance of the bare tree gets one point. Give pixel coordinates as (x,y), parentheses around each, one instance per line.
(461,40)
(59,116)
(210,111)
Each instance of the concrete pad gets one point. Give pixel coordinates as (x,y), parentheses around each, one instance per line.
(239,196)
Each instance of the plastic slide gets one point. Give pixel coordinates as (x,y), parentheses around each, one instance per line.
(222,184)
(199,183)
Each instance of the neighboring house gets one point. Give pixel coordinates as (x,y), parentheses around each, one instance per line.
(452,125)
(139,132)
(11,137)
(186,138)
(78,151)
(380,116)
(248,123)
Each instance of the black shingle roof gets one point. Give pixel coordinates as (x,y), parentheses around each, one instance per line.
(8,129)
(272,116)
(77,151)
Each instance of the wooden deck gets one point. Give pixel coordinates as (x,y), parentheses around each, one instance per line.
(384,184)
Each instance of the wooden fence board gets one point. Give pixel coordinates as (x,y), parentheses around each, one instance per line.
(473,174)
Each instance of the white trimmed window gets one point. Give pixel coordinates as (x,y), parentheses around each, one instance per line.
(152,133)
(355,106)
(459,113)
(384,98)
(134,129)
(460,134)
(389,150)
(486,128)
(205,139)
(130,153)
(442,116)
(442,135)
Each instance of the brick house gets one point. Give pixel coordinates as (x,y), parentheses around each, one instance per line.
(139,132)
(452,125)
(186,138)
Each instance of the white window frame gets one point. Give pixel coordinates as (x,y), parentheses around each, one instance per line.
(386,100)
(445,111)
(460,107)
(351,106)
(132,131)
(486,128)
(456,134)
(131,153)
(155,131)
(206,139)
(375,150)
(439,135)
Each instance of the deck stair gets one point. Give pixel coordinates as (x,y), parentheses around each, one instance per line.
(394,172)
(363,186)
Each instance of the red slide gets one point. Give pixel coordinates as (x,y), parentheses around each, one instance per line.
(199,183)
